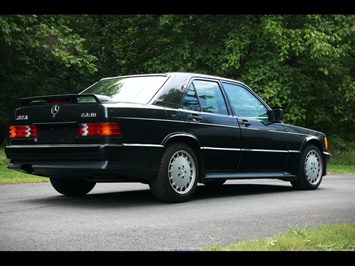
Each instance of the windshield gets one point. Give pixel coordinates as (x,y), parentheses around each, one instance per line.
(138,89)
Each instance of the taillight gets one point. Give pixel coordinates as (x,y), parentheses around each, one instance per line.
(23,132)
(97,129)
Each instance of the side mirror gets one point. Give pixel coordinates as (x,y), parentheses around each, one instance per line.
(275,115)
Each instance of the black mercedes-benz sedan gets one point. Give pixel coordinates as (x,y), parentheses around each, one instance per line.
(168,130)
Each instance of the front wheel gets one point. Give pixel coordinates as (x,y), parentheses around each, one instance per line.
(72,187)
(310,169)
(176,180)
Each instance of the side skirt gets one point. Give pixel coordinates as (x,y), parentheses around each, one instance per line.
(251,175)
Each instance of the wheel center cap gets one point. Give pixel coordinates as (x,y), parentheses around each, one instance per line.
(182,172)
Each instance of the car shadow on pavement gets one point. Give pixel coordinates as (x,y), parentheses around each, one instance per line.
(143,197)
(236,190)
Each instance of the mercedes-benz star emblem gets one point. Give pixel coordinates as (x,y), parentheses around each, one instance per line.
(55,109)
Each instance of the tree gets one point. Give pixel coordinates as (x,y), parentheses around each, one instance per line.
(39,55)
(301,63)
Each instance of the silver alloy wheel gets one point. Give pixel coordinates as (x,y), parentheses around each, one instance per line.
(313,167)
(182,172)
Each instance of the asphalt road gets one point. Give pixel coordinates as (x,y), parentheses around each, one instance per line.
(126,217)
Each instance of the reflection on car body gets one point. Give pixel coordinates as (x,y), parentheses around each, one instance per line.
(169,130)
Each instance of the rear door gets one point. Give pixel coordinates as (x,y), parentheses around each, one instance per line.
(208,117)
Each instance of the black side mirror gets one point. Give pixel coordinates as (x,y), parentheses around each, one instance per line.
(275,115)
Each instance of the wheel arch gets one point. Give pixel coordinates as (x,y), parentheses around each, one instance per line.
(316,142)
(191,141)
(312,140)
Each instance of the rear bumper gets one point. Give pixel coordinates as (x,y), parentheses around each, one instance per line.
(65,152)
(99,162)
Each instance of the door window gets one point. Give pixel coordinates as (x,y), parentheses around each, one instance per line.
(244,103)
(205,96)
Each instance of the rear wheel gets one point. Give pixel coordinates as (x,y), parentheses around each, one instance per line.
(176,180)
(72,187)
(310,169)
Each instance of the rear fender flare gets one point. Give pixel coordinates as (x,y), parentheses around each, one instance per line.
(192,141)
(179,135)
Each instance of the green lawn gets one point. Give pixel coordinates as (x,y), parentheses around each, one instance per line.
(323,238)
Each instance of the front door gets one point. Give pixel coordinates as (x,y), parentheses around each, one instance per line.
(264,145)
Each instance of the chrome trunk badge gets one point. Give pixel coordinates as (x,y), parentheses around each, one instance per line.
(54,110)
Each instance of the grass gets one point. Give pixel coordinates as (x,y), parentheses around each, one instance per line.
(14,177)
(324,238)
(342,163)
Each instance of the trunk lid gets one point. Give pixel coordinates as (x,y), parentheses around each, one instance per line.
(56,116)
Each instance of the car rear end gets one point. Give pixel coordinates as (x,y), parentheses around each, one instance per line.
(66,135)
(83,135)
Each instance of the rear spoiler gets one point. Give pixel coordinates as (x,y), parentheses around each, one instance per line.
(65,98)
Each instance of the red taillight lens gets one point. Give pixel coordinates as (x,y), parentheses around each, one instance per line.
(97,129)
(23,132)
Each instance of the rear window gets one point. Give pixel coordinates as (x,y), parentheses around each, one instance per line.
(139,89)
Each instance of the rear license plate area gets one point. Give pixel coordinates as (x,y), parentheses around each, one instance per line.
(57,135)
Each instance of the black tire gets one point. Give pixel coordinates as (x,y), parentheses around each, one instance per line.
(310,169)
(176,180)
(215,183)
(72,187)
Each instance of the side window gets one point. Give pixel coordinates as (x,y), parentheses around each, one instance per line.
(210,97)
(245,103)
(190,101)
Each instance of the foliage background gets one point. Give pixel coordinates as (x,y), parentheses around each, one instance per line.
(302,63)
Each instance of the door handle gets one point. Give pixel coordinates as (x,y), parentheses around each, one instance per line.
(195,117)
(245,123)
